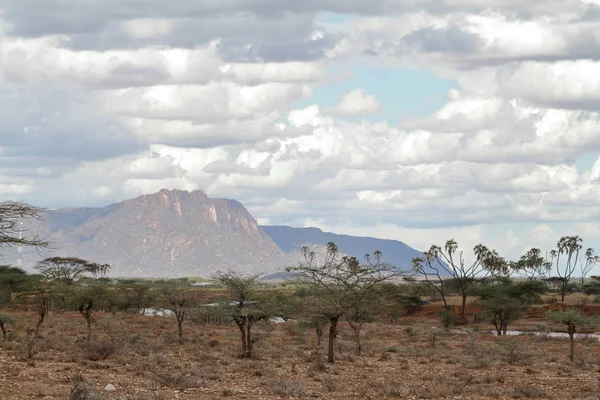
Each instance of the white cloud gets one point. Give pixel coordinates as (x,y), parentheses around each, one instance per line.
(355,102)
(205,95)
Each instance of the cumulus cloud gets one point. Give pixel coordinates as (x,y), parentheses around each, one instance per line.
(205,95)
(355,102)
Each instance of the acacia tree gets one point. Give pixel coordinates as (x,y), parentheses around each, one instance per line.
(569,246)
(179,299)
(245,308)
(573,319)
(12,234)
(65,270)
(507,301)
(445,261)
(341,286)
(86,297)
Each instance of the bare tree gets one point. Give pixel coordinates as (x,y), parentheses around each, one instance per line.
(430,268)
(341,286)
(12,234)
(445,261)
(569,246)
(180,298)
(586,267)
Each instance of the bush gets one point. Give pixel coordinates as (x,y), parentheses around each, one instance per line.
(98,351)
(81,390)
(448,318)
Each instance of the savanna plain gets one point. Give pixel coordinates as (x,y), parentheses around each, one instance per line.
(409,355)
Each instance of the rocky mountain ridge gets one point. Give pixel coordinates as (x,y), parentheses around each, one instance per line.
(176,233)
(171,233)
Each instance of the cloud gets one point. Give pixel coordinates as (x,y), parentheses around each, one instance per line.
(207,94)
(355,102)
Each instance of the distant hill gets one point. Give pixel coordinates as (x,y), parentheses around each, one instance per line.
(291,240)
(172,233)
(176,233)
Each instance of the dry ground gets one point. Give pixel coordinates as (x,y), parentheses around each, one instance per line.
(414,359)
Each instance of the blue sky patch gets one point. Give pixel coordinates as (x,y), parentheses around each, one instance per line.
(403,93)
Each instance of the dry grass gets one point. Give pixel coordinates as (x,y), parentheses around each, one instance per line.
(416,358)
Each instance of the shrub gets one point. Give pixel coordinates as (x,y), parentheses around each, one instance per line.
(82,390)
(98,351)
(448,318)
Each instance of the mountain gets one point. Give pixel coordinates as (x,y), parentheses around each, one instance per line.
(172,233)
(291,240)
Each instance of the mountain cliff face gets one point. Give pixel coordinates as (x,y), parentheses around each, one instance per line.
(167,234)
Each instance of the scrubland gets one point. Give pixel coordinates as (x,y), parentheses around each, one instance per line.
(414,358)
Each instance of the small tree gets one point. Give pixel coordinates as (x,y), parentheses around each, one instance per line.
(42,299)
(86,296)
(507,301)
(586,267)
(573,319)
(341,286)
(245,308)
(446,261)
(138,295)
(569,246)
(180,299)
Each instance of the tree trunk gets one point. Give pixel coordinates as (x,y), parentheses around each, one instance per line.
(504,328)
(249,342)
(332,335)
(357,339)
(180,329)
(241,326)
(562,292)
(38,324)
(571,343)
(463,306)
(3,329)
(356,326)
(88,319)
(319,335)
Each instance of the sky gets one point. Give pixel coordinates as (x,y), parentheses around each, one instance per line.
(414,120)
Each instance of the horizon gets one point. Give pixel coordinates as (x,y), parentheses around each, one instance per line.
(414,122)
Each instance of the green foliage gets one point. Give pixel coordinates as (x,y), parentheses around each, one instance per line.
(573,319)
(448,318)
(12,280)
(5,319)
(506,301)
